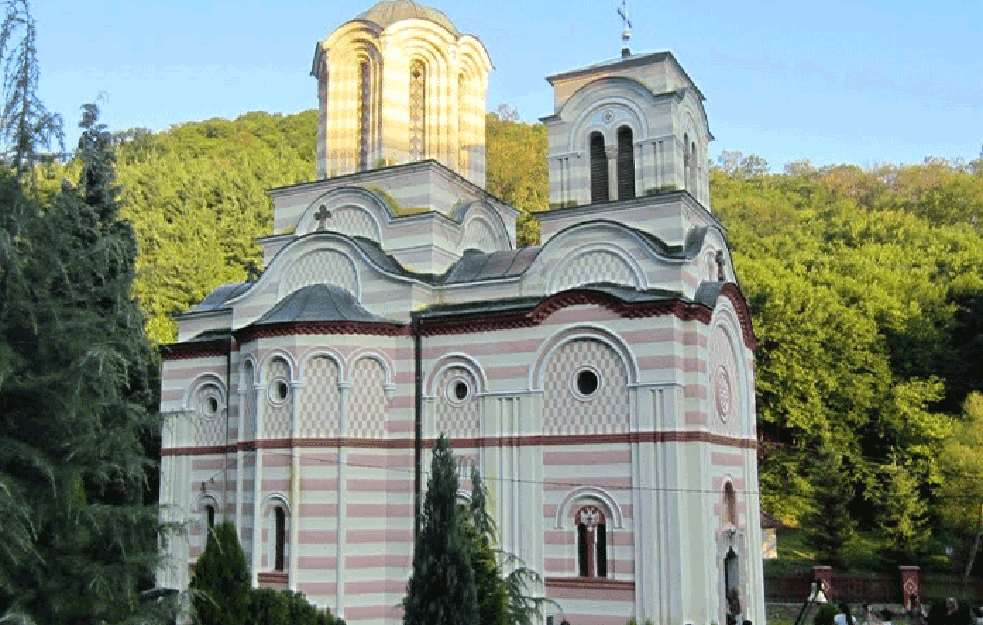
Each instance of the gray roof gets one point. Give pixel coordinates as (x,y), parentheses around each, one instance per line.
(318,302)
(626,294)
(221,295)
(476,265)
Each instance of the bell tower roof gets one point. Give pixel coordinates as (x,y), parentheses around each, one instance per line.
(388,12)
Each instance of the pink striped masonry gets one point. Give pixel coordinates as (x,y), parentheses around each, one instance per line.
(378,536)
(378,561)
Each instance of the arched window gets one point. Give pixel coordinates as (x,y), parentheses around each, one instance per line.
(463,120)
(626,164)
(210,516)
(364,113)
(418,111)
(687,163)
(279,538)
(598,169)
(592,553)
(730,504)
(693,169)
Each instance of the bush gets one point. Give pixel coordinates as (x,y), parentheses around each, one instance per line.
(825,614)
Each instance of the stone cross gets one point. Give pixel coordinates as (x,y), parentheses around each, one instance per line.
(322,216)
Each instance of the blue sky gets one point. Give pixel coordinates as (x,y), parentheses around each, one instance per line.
(832,81)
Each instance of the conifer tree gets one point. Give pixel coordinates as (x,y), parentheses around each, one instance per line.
(828,525)
(77,399)
(442,587)
(221,580)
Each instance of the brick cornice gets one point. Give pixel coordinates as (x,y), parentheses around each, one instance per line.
(686,311)
(250,333)
(732,292)
(196,349)
(545,440)
(589,583)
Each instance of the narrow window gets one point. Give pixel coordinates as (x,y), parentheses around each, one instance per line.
(730,504)
(364,110)
(687,163)
(592,556)
(418,110)
(626,164)
(598,169)
(693,168)
(583,551)
(463,122)
(602,551)
(210,516)
(281,538)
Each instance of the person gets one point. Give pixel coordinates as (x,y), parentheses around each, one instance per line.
(886,617)
(844,617)
(916,613)
(733,606)
(870,615)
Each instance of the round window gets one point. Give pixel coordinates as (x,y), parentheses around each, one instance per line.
(458,390)
(586,382)
(279,391)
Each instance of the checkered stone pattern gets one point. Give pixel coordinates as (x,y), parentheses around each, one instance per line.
(367,400)
(479,236)
(320,267)
(353,222)
(591,268)
(249,406)
(603,412)
(276,420)
(457,418)
(319,399)
(209,427)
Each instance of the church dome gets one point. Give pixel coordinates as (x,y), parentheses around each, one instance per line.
(388,12)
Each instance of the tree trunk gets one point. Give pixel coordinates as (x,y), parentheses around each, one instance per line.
(975,549)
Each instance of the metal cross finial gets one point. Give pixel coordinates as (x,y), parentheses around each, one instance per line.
(322,215)
(626,27)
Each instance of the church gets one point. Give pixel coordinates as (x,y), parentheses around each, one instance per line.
(602,381)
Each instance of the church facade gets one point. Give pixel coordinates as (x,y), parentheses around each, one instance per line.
(602,382)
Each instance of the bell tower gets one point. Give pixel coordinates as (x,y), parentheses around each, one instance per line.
(627,128)
(398,84)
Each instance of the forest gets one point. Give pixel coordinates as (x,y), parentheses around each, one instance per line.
(865,287)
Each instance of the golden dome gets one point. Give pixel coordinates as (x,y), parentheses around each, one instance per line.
(388,12)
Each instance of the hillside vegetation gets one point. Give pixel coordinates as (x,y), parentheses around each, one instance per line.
(865,286)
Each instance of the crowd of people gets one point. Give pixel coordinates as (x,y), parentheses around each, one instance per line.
(947,612)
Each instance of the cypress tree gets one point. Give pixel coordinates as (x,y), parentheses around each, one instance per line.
(442,587)
(221,580)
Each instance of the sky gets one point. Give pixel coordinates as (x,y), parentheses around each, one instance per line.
(834,81)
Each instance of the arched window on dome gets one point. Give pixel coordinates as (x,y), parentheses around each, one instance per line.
(626,164)
(418,110)
(463,119)
(598,169)
(364,113)
(592,553)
